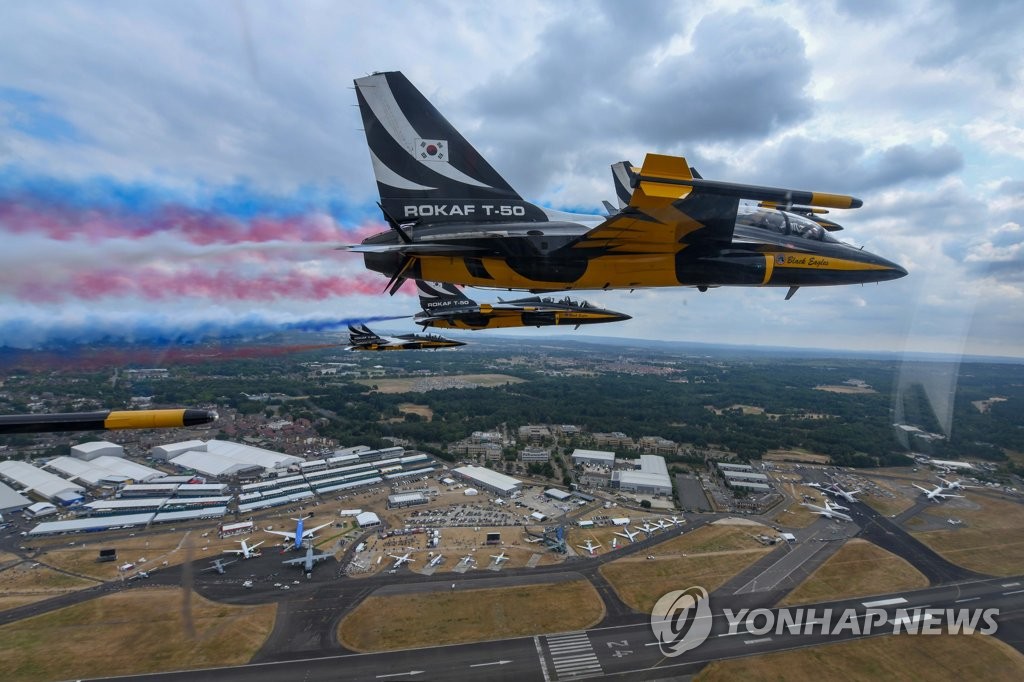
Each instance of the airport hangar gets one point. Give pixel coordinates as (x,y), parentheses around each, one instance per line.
(42,483)
(488,479)
(11,500)
(595,457)
(651,479)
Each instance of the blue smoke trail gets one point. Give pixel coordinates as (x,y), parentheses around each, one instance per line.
(36,334)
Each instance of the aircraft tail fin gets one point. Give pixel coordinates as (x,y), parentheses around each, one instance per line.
(439,297)
(361,335)
(426,171)
(624,178)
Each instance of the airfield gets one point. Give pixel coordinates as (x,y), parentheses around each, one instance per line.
(539,614)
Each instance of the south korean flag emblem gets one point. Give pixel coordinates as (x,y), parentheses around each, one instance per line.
(432,150)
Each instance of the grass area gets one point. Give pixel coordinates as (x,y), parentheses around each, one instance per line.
(797,516)
(24,579)
(900,657)
(796,455)
(439,618)
(412,408)
(712,538)
(640,583)
(172,547)
(132,632)
(889,506)
(835,388)
(859,569)
(419,384)
(991,541)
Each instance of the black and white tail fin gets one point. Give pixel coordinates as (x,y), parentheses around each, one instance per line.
(361,335)
(624,177)
(440,297)
(426,171)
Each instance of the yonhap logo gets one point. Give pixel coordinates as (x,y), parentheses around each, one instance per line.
(681,620)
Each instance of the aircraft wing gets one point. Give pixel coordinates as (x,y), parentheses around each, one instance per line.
(295,561)
(309,531)
(669,206)
(282,533)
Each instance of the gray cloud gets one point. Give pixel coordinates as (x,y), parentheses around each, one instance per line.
(840,165)
(984,36)
(743,78)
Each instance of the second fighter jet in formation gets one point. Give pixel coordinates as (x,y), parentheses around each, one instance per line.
(362,338)
(446,307)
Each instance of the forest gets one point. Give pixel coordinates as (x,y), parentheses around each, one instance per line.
(842,407)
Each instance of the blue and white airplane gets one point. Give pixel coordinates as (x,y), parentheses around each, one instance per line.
(300,533)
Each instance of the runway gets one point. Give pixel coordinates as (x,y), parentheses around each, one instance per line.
(627,651)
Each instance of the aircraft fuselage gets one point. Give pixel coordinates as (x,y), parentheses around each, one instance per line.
(546,256)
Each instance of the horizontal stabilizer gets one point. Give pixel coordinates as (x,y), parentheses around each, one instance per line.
(410,249)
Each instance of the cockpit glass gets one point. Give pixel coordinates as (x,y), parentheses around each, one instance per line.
(785,223)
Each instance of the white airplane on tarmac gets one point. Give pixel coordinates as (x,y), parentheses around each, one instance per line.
(247,551)
(499,558)
(401,560)
(615,543)
(435,561)
(466,560)
(829,511)
(647,528)
(590,547)
(219,565)
(849,496)
(955,485)
(627,534)
(676,521)
(936,495)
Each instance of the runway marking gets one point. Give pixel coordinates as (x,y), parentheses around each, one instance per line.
(573,656)
(1010,585)
(410,674)
(540,655)
(757,641)
(481,665)
(884,602)
(961,601)
(1013,592)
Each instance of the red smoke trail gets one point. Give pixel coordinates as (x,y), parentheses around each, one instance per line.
(160,285)
(195,226)
(92,359)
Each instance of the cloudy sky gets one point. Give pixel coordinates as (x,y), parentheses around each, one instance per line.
(175,169)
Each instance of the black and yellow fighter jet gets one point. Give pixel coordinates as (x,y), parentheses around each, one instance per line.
(444,306)
(361,338)
(454,219)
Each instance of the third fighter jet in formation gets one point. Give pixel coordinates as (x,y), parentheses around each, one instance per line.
(446,307)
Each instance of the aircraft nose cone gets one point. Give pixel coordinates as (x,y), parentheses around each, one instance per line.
(894,270)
